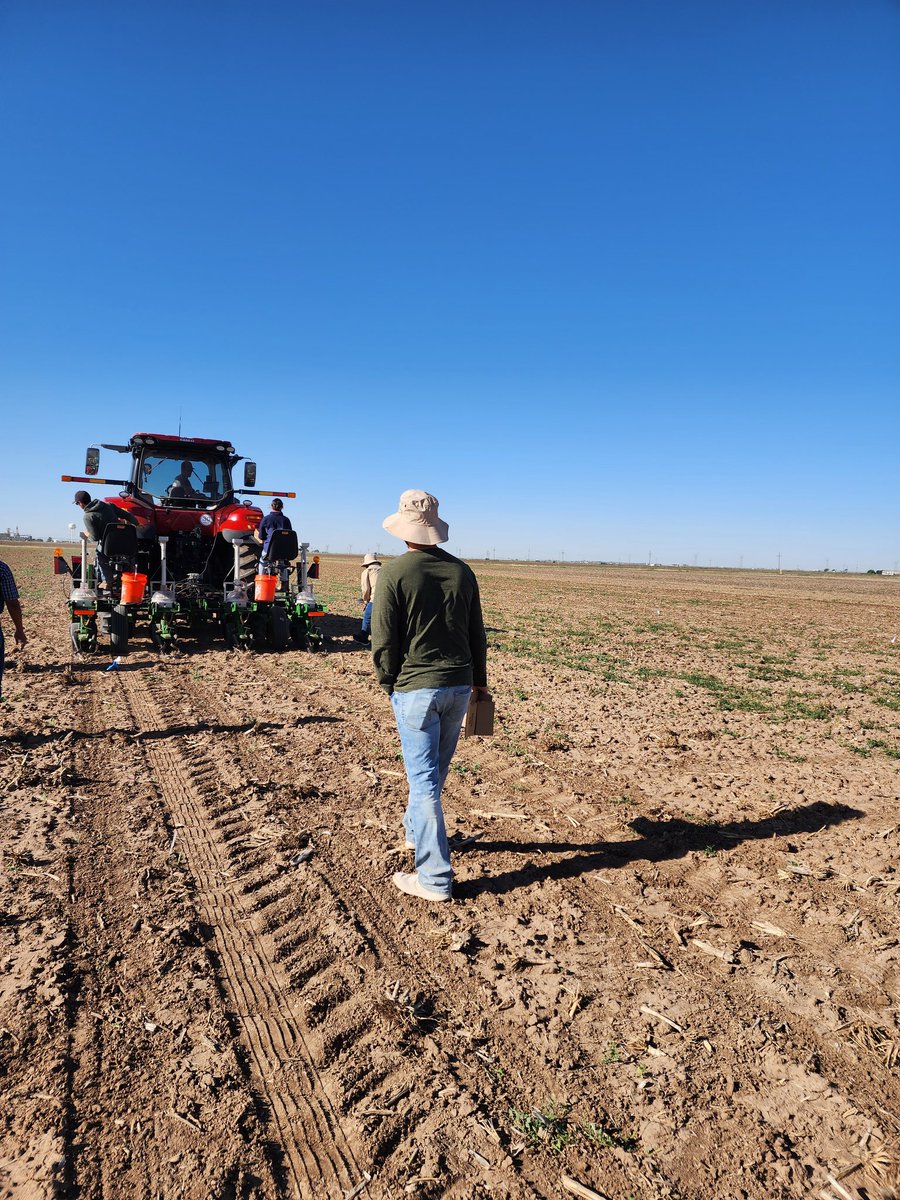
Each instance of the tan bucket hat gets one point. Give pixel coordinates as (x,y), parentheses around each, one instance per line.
(370,558)
(417,520)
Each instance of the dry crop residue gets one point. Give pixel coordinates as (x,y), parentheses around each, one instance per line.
(671,968)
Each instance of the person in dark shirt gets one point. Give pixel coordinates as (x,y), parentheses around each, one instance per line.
(430,652)
(97,515)
(9,598)
(271,521)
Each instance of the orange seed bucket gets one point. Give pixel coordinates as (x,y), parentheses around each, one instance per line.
(133,585)
(265,588)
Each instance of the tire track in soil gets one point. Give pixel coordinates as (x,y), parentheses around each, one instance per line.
(120,1139)
(317,1157)
(88,1167)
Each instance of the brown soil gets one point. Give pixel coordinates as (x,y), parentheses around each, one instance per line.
(671,969)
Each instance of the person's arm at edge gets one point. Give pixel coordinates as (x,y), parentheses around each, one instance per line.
(478,644)
(15,612)
(385,635)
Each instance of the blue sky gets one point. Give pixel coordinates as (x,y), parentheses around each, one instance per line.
(611,279)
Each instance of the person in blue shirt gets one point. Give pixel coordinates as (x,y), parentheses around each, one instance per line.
(9,599)
(271,521)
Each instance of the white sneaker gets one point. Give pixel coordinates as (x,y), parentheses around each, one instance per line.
(411,886)
(409,845)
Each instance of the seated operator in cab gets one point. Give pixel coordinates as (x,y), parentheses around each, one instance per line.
(182,488)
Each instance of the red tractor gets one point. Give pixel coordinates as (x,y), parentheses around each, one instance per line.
(184,556)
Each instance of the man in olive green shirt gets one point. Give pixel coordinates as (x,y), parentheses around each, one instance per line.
(430,652)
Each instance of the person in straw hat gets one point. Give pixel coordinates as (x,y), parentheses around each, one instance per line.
(430,651)
(371,565)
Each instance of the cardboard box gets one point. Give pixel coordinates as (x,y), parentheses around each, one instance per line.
(479,720)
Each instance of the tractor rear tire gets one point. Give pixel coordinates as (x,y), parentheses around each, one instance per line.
(298,633)
(279,629)
(248,564)
(118,629)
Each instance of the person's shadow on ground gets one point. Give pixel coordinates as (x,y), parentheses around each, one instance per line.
(672,838)
(339,631)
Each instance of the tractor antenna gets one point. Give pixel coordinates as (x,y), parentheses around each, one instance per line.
(179,422)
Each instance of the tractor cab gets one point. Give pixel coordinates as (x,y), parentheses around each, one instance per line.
(193,474)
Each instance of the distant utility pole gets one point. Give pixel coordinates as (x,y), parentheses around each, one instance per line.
(779,562)
(741,562)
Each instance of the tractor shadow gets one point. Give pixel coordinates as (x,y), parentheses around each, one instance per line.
(657,841)
(177,731)
(98,666)
(261,727)
(31,741)
(44,668)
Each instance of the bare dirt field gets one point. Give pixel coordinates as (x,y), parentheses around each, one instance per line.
(671,968)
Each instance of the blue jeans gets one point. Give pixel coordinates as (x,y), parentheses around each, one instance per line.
(429,721)
(367,618)
(104,571)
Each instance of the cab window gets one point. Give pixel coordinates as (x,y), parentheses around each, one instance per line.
(170,480)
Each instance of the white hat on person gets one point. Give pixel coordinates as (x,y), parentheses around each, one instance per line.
(370,558)
(417,520)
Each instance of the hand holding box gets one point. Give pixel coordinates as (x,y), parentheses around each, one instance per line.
(479,720)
